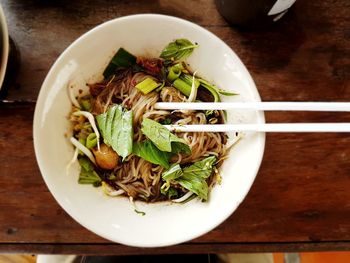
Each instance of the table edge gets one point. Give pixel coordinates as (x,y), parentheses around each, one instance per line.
(193,248)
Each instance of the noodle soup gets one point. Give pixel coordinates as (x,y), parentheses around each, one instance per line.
(154,224)
(114,125)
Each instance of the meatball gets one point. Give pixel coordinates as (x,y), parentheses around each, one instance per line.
(106,157)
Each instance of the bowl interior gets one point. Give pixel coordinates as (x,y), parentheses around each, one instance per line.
(114,218)
(4,45)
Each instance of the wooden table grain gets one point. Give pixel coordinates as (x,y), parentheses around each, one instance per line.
(300,199)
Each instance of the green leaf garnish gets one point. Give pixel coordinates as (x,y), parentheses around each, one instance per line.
(116,129)
(166,121)
(178,49)
(163,138)
(85,164)
(171,192)
(193,177)
(172,173)
(140,212)
(227,93)
(202,169)
(215,91)
(148,151)
(122,59)
(87,174)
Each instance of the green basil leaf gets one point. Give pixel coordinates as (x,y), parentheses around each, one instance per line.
(194,184)
(178,49)
(171,193)
(193,177)
(148,151)
(163,138)
(173,173)
(109,123)
(101,123)
(116,129)
(202,169)
(179,147)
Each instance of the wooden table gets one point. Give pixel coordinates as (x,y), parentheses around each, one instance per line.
(300,199)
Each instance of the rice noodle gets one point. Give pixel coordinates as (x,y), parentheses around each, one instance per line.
(108,190)
(135,177)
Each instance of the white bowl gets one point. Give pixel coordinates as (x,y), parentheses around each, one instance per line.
(4,46)
(114,218)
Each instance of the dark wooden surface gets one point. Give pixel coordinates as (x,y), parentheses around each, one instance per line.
(300,199)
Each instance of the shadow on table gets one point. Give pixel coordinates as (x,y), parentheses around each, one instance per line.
(273,47)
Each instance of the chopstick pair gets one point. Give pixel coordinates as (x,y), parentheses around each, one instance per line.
(260,106)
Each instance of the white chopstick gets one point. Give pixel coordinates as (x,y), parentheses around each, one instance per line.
(262,106)
(262,127)
(265,106)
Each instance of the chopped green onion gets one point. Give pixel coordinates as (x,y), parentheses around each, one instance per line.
(161,86)
(189,79)
(220,91)
(174,72)
(86,104)
(91,141)
(82,141)
(182,86)
(147,85)
(213,92)
(227,93)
